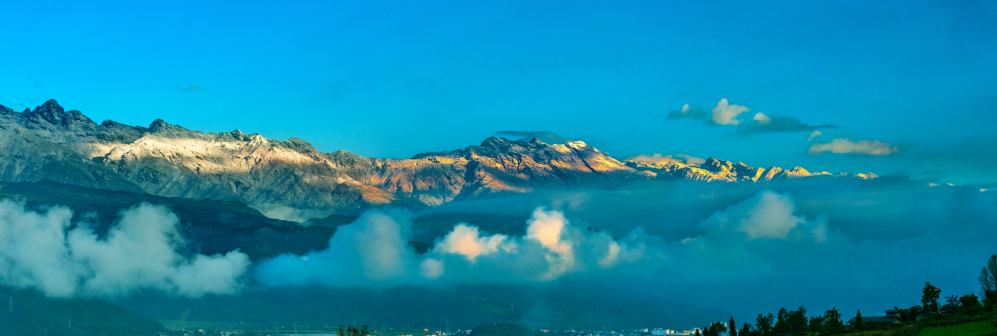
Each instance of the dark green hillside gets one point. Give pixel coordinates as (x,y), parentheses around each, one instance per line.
(34,314)
(499,329)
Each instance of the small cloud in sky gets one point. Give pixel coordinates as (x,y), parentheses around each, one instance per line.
(814,134)
(690,113)
(762,119)
(725,113)
(861,147)
(185,88)
(762,123)
(722,114)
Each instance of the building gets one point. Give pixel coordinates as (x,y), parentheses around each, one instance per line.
(892,316)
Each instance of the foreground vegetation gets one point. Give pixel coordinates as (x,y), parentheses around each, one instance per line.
(965,315)
(966,329)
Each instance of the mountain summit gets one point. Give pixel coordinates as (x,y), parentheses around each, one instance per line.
(292,180)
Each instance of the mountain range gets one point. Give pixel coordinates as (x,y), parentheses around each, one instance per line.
(238,191)
(292,180)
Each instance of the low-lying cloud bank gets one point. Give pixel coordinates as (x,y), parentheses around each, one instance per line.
(748,247)
(44,251)
(751,247)
(374,250)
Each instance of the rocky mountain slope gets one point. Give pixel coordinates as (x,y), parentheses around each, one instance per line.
(292,180)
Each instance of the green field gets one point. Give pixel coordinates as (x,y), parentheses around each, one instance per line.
(981,328)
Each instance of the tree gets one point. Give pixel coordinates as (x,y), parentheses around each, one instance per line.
(796,321)
(988,276)
(697,332)
(353,331)
(951,305)
(717,327)
(970,305)
(746,330)
(990,300)
(832,321)
(763,324)
(915,311)
(988,283)
(780,322)
(731,327)
(816,324)
(930,298)
(858,319)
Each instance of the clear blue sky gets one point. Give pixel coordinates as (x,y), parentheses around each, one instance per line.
(392,79)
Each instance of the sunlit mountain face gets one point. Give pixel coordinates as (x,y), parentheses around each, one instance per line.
(511,169)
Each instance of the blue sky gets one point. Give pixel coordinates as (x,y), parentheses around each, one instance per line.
(392,79)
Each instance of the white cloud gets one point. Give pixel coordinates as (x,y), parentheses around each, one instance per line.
(766,215)
(431,268)
(814,134)
(140,253)
(845,146)
(691,159)
(724,113)
(373,250)
(465,240)
(762,119)
(548,228)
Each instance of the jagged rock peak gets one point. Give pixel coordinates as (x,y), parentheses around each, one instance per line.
(158,124)
(54,114)
(301,146)
(50,105)
(6,110)
(162,127)
(493,146)
(715,165)
(504,143)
